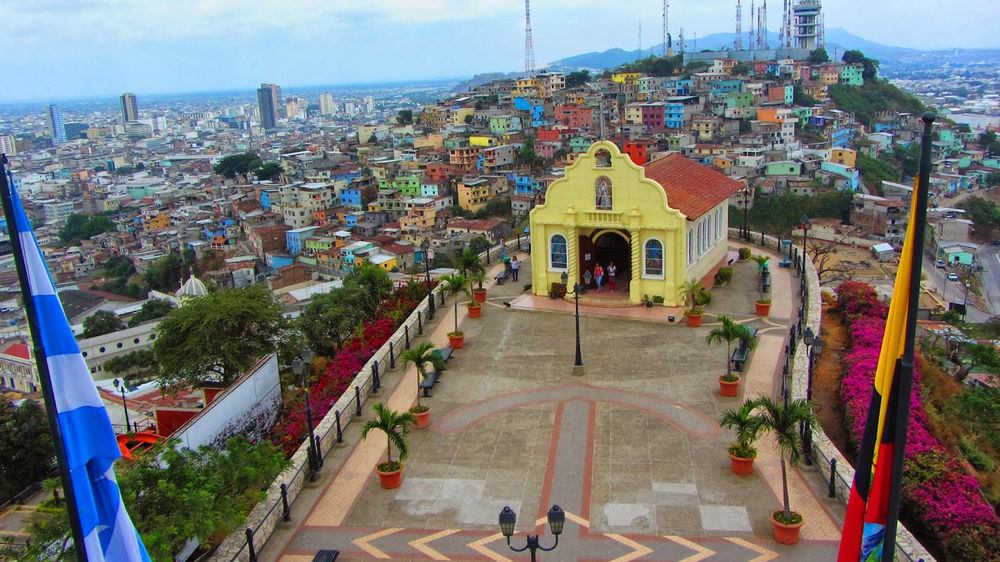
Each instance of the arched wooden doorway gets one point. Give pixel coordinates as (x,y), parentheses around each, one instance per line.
(605,246)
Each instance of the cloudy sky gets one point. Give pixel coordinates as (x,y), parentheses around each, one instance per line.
(77,48)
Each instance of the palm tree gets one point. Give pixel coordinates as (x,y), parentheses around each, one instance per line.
(477,276)
(689,290)
(729,332)
(454,284)
(747,425)
(761,261)
(783,420)
(395,425)
(468,262)
(420,356)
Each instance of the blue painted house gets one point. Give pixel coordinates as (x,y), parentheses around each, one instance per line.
(350,197)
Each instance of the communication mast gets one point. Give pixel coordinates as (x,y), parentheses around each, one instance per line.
(762,27)
(529,48)
(666,32)
(738,42)
(752,37)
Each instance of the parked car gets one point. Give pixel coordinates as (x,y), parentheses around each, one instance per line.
(940,264)
(952,277)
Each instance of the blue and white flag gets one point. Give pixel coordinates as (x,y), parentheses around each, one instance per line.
(88,438)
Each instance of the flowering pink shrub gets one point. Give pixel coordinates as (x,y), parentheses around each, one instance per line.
(290,429)
(937,490)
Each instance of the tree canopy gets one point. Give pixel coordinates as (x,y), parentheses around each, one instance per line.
(270,171)
(331,318)
(26,451)
(238,164)
(100,323)
(870,72)
(577,78)
(151,310)
(217,337)
(818,55)
(404,116)
(164,274)
(783,213)
(79,227)
(872,97)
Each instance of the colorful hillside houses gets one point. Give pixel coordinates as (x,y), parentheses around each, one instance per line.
(662,224)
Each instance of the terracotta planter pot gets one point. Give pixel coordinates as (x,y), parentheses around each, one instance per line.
(390,480)
(741,466)
(729,388)
(785,534)
(763,308)
(475,311)
(456,342)
(694,320)
(479,295)
(423,418)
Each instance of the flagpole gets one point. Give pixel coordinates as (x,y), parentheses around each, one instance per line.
(41,363)
(905,374)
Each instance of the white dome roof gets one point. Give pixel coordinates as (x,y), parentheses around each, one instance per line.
(193,287)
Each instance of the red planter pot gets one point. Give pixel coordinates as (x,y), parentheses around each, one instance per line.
(729,388)
(456,342)
(475,311)
(423,418)
(763,308)
(740,465)
(694,320)
(479,295)
(785,534)
(390,480)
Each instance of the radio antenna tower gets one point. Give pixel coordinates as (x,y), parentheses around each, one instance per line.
(529,47)
(639,40)
(666,33)
(751,37)
(762,27)
(738,43)
(681,38)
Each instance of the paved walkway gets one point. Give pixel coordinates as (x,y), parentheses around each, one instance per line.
(631,449)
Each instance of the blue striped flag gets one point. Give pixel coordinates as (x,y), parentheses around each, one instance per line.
(88,438)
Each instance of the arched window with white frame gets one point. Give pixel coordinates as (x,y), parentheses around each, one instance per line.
(558,253)
(652,258)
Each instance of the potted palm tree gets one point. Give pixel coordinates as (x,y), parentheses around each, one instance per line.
(421,356)
(395,425)
(729,331)
(783,420)
(689,291)
(478,295)
(763,305)
(742,453)
(471,266)
(454,284)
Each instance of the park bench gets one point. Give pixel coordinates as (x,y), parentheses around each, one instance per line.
(502,276)
(326,556)
(785,263)
(444,352)
(428,382)
(741,352)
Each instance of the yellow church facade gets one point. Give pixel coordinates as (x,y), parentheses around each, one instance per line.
(660,224)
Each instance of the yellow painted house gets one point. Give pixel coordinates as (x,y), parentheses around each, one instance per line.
(662,224)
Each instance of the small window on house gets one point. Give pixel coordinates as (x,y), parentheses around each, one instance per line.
(558,255)
(603,192)
(653,258)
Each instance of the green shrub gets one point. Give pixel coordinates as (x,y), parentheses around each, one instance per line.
(724,275)
(978,459)
(703,298)
(745,253)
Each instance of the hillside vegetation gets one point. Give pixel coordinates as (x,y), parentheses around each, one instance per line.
(865,101)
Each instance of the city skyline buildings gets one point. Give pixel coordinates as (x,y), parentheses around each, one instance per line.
(444,40)
(56,130)
(130,107)
(268,102)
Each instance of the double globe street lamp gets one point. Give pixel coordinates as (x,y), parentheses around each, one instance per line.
(120,387)
(577,289)
(508,518)
(425,246)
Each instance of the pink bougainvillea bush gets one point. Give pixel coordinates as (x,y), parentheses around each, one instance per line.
(338,372)
(941,499)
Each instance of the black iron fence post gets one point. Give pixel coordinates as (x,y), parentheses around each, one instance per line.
(340,431)
(285,514)
(357,398)
(832,489)
(250,548)
(392,356)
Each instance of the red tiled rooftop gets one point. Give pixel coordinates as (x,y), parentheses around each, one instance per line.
(19,350)
(691,188)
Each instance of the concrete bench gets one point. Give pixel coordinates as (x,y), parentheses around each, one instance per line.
(326,556)
(502,276)
(444,352)
(428,382)
(742,351)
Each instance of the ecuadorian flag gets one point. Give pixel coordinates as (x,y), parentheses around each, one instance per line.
(87,436)
(868,505)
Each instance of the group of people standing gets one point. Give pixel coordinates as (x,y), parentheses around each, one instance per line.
(611,272)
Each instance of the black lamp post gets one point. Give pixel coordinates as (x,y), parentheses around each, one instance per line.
(805,238)
(808,338)
(557,518)
(577,289)
(965,302)
(300,370)
(425,245)
(120,386)
(813,343)
(746,202)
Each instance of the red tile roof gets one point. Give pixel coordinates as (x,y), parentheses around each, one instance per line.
(19,350)
(691,188)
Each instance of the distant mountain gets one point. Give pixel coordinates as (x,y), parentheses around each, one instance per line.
(837,41)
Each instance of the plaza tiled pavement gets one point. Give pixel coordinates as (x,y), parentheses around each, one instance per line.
(631,449)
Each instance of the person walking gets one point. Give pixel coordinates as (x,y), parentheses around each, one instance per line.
(598,276)
(514,266)
(612,272)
